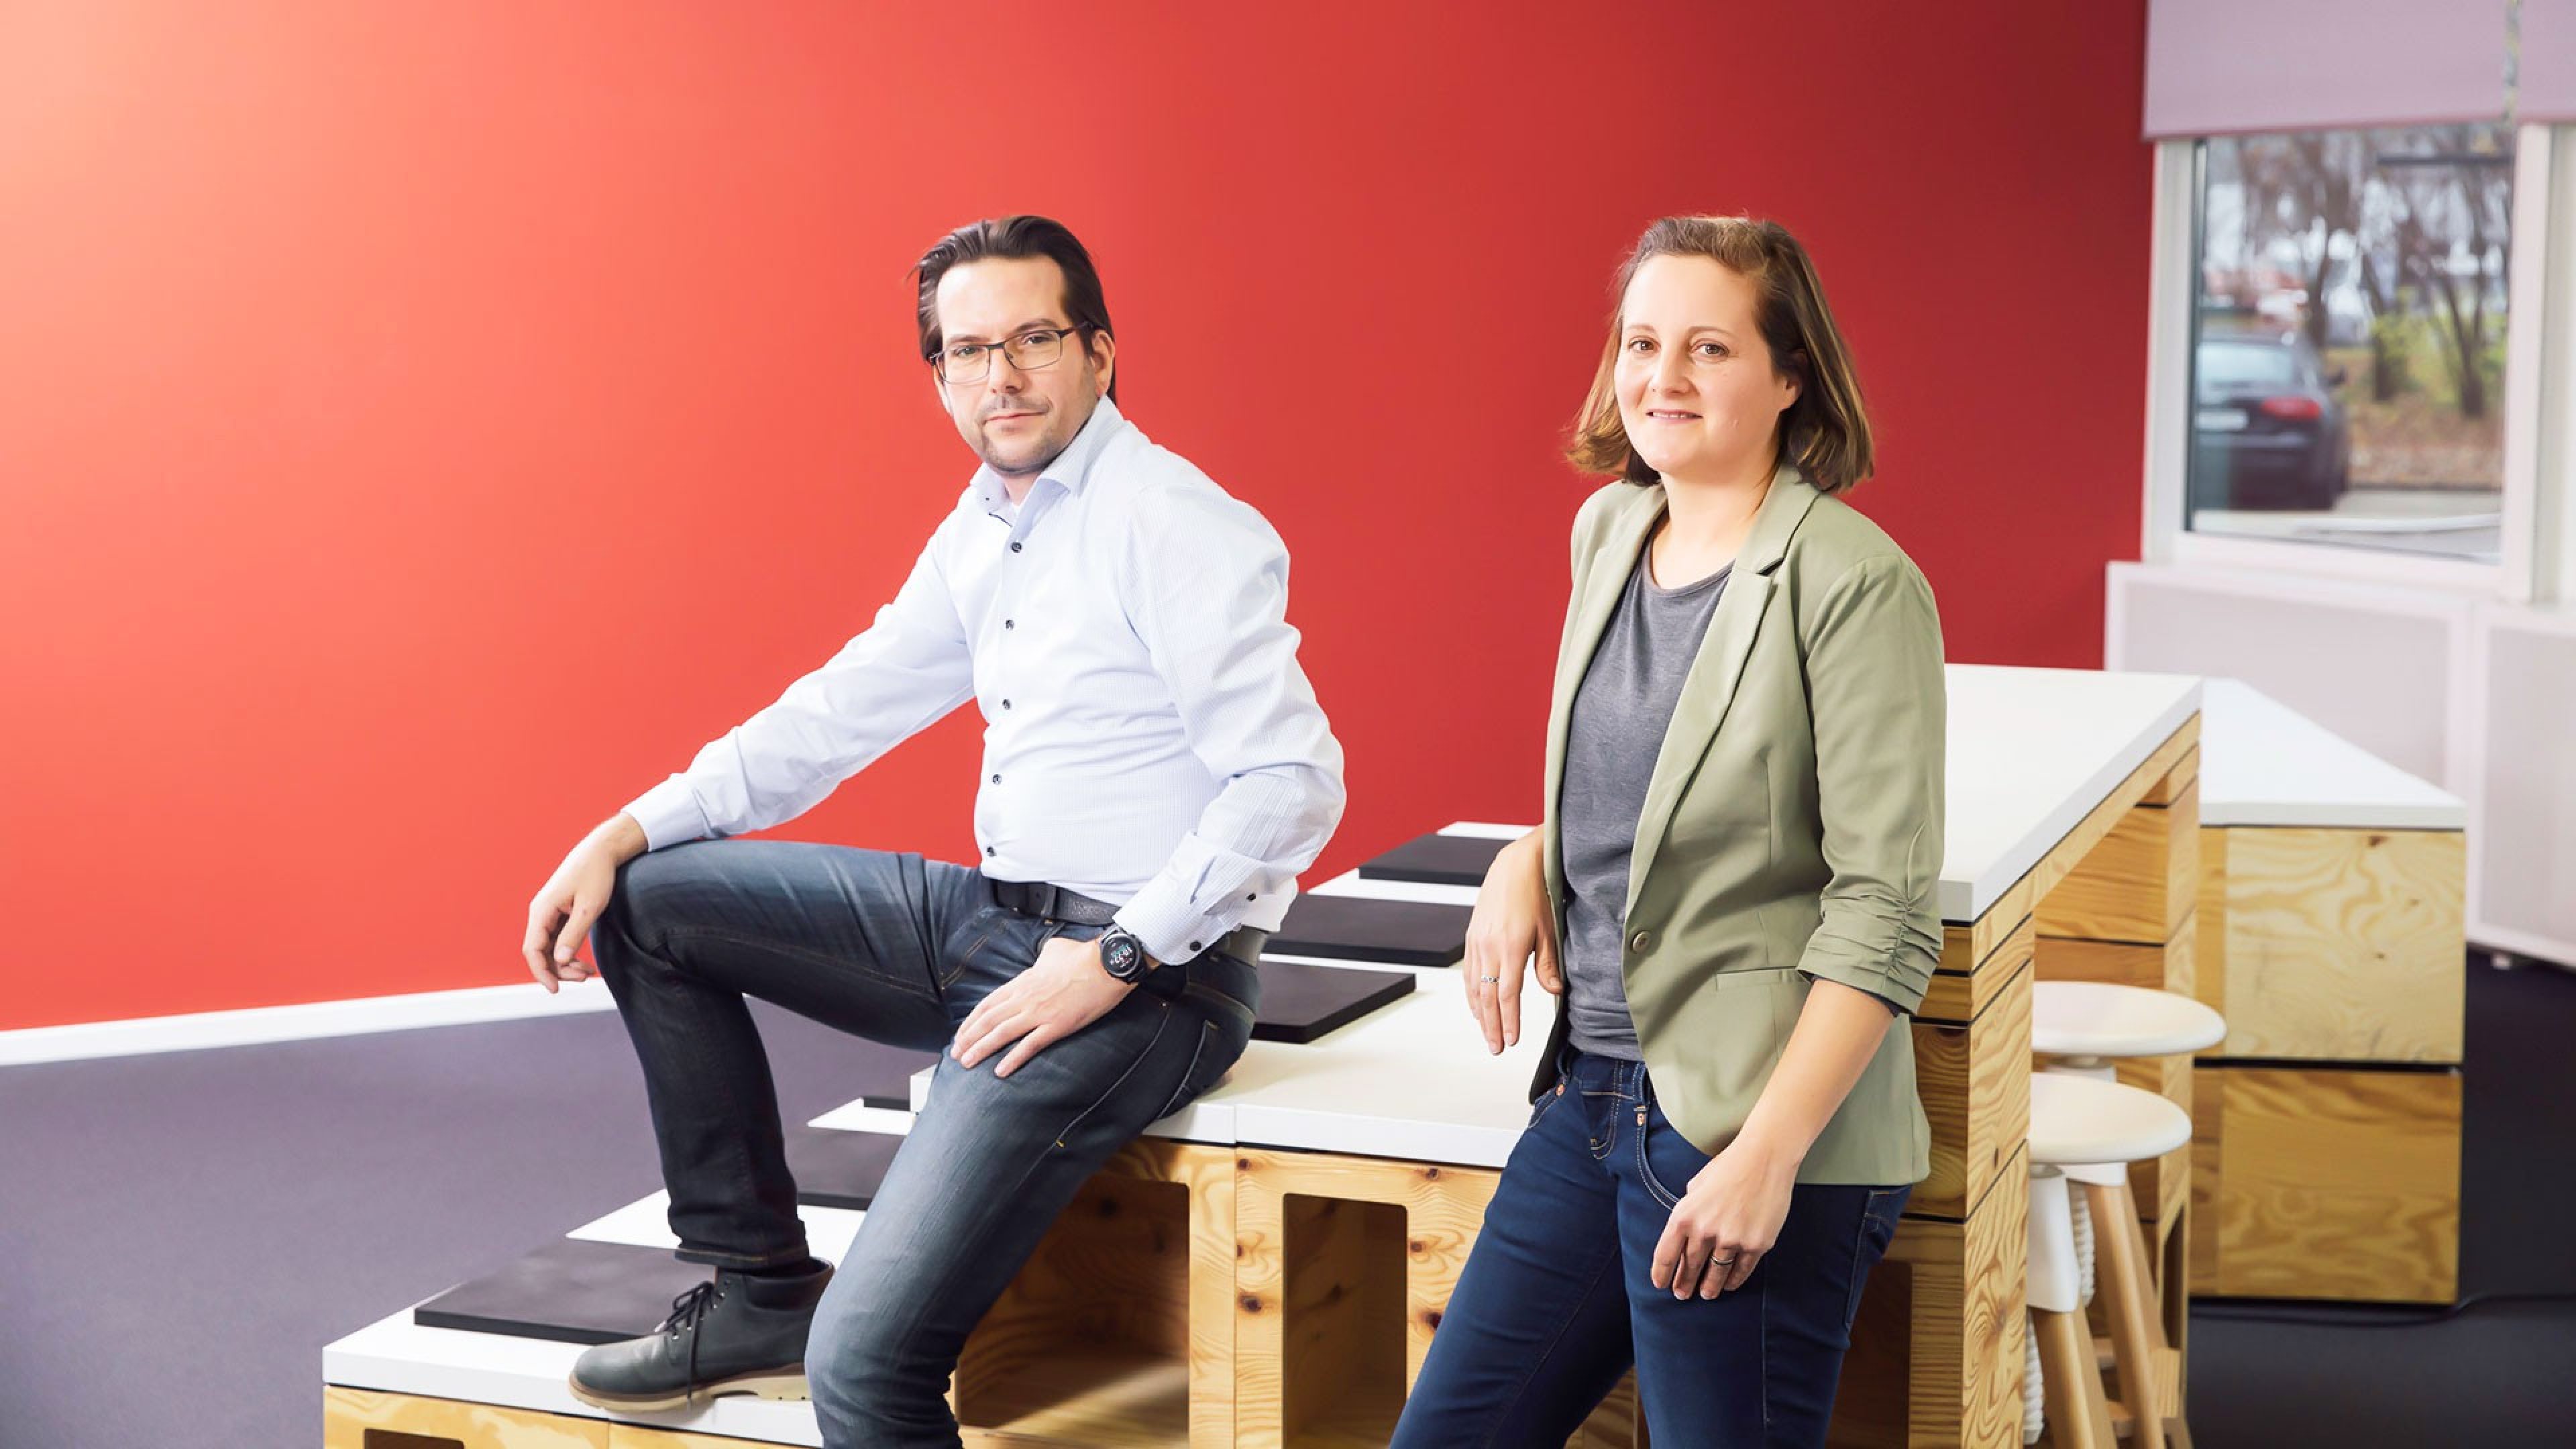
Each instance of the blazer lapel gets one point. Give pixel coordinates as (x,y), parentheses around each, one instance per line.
(1719,664)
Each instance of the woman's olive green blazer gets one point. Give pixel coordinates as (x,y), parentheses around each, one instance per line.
(1792,829)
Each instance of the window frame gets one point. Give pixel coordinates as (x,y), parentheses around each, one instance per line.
(2536,545)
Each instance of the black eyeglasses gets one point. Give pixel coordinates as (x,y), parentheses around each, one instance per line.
(1038,348)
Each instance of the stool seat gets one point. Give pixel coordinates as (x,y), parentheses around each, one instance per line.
(2078,1120)
(2100,1019)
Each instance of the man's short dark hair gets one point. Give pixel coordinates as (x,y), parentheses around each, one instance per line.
(1014,238)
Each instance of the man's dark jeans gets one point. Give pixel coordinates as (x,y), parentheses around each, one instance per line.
(1556,1300)
(896,949)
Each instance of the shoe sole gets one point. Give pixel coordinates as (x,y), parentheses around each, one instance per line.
(789,1388)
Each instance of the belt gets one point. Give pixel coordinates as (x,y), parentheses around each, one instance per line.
(1055,903)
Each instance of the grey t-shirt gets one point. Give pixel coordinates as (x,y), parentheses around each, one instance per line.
(1621,711)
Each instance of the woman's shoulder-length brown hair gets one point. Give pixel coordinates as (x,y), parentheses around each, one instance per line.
(1825,432)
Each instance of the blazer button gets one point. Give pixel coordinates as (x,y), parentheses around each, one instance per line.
(1642,942)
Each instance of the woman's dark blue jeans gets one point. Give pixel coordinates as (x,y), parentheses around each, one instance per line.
(1555,1302)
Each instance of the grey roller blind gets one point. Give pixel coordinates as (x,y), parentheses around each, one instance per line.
(2548,61)
(2220,67)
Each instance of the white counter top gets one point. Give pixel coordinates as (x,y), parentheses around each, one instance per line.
(2031,752)
(2264,763)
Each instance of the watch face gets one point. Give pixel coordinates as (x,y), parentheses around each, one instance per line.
(1122,956)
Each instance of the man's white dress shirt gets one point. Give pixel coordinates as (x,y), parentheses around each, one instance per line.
(1149,739)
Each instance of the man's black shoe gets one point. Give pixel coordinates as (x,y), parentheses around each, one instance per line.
(741,1334)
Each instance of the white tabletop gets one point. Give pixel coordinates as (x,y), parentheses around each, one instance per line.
(2031,752)
(2264,763)
(1410,1080)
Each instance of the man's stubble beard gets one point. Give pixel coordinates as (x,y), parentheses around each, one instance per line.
(1052,449)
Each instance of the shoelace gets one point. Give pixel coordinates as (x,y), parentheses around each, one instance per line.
(687,1311)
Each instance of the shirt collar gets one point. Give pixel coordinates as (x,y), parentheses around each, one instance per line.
(1071,468)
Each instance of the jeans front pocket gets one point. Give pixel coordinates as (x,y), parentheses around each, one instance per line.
(977,932)
(1546,1099)
(1658,1141)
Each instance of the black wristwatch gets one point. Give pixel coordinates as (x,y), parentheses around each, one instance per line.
(1123,956)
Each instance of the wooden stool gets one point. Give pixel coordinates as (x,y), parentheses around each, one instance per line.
(2085,1027)
(2078,1124)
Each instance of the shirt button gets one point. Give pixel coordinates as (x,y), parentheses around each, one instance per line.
(1006,704)
(1194,946)
(1010,624)
(997,779)
(988,850)
(1642,942)
(1015,548)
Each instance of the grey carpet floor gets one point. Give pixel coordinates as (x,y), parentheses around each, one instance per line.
(180,1235)
(2500,1373)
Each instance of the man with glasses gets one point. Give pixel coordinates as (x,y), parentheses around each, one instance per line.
(1156,773)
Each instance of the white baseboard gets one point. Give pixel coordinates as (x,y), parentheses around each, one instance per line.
(301,1022)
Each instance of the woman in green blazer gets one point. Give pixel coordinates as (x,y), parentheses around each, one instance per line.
(1732,896)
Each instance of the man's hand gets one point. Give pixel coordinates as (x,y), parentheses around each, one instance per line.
(1065,990)
(569,903)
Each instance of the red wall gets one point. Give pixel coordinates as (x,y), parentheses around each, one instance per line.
(422,426)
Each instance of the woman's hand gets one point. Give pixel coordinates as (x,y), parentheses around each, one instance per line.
(1510,927)
(1736,1204)
(1730,1217)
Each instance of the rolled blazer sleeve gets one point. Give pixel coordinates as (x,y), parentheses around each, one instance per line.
(1879,709)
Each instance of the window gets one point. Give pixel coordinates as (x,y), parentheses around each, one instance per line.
(2348,335)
